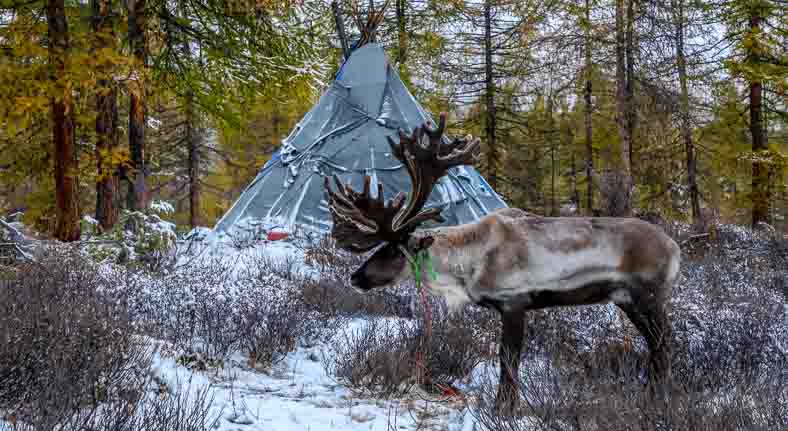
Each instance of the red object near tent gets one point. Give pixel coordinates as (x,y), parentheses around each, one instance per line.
(276,236)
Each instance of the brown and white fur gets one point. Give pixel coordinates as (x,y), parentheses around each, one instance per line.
(514,261)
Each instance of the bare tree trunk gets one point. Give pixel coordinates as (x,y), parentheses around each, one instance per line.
(136,197)
(760,170)
(492,150)
(553,209)
(619,185)
(550,140)
(192,137)
(686,126)
(587,116)
(192,140)
(106,123)
(62,111)
(573,177)
(402,37)
(567,142)
(631,112)
(621,79)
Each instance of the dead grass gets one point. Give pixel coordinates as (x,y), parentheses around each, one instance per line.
(69,358)
(390,358)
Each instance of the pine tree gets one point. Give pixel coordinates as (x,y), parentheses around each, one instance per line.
(619,184)
(137,16)
(679,22)
(107,132)
(759,59)
(62,107)
(588,107)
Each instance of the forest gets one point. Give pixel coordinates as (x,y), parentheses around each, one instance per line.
(675,107)
(641,285)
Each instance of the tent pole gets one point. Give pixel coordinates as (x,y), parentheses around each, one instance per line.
(340,29)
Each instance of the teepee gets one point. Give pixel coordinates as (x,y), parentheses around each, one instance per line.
(345,134)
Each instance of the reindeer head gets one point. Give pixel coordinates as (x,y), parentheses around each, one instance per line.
(362,223)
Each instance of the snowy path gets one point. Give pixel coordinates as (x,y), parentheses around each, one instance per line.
(298,395)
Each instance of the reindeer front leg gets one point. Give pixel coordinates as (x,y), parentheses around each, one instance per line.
(507,400)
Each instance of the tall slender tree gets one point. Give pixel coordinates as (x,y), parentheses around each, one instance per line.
(549,136)
(193,144)
(620,183)
(402,38)
(107,175)
(588,108)
(490,119)
(62,111)
(679,19)
(193,163)
(485,49)
(630,114)
(757,30)
(137,109)
(567,139)
(760,170)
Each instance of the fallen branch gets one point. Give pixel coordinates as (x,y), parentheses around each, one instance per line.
(696,236)
(15,246)
(15,234)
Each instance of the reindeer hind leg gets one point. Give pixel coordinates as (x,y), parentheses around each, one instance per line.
(649,314)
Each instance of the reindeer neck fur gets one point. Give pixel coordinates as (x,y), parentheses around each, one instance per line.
(511,258)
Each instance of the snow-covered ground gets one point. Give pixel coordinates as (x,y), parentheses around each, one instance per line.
(293,394)
(296,394)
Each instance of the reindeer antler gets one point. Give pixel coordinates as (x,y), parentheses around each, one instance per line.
(361,222)
(427,161)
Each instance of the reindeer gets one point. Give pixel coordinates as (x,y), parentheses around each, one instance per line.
(510,260)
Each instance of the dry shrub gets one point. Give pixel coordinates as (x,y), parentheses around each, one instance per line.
(181,410)
(273,315)
(326,257)
(66,339)
(557,398)
(334,297)
(728,376)
(246,237)
(211,309)
(372,358)
(388,358)
(191,308)
(729,296)
(458,343)
(270,326)
(329,290)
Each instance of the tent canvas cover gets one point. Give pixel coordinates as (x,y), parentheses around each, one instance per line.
(345,134)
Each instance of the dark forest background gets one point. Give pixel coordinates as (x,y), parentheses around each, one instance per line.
(670,107)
